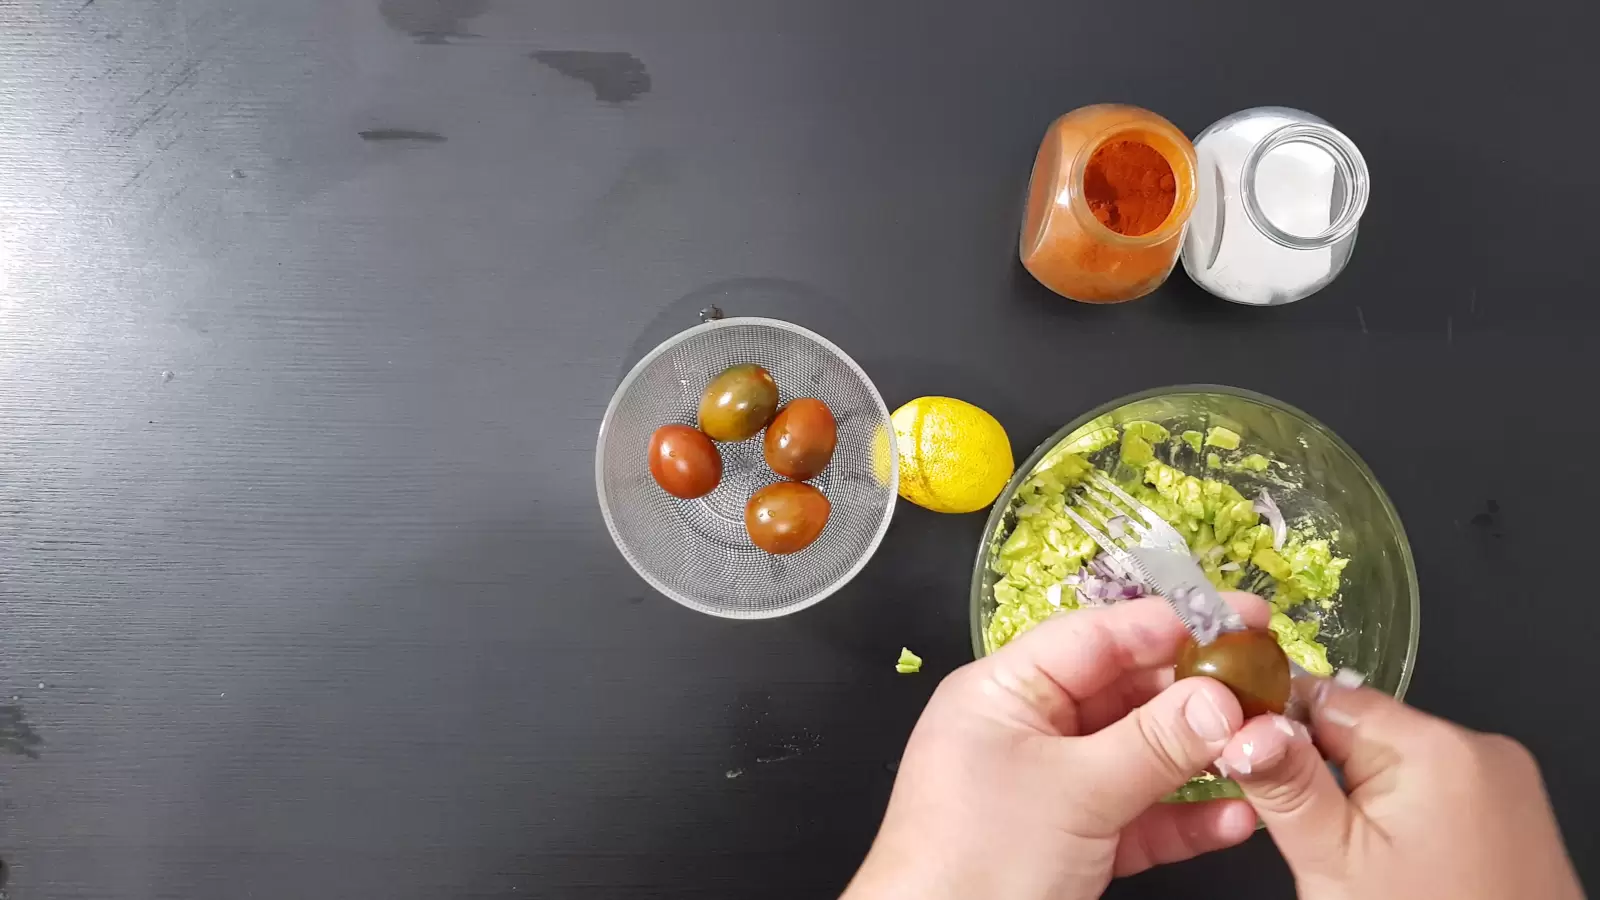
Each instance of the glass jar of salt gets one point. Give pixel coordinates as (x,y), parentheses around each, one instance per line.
(1281,195)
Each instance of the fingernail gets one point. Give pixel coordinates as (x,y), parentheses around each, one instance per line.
(1290,727)
(1228,769)
(1253,756)
(1240,766)
(1338,717)
(1343,680)
(1206,718)
(1349,678)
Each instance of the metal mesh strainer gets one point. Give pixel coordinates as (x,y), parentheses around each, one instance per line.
(697,551)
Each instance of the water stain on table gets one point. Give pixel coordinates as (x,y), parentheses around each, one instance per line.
(615,77)
(1489,519)
(431,21)
(402,134)
(16,735)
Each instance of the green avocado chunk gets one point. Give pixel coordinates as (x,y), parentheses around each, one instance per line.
(1255,462)
(1222,438)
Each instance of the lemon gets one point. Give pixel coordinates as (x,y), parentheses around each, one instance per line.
(954,457)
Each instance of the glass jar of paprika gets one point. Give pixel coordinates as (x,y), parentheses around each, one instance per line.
(1111,192)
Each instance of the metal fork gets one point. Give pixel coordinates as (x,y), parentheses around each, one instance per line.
(1096,511)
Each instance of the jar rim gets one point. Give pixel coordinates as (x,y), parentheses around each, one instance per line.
(1185,182)
(1350,163)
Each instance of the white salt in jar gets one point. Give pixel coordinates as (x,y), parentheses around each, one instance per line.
(1281,193)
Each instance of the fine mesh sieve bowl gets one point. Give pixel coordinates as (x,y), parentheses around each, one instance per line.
(697,551)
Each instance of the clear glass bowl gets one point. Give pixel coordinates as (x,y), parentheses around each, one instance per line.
(698,552)
(1373,624)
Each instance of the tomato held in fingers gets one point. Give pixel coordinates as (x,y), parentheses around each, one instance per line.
(1250,663)
(684,462)
(801,439)
(786,517)
(738,403)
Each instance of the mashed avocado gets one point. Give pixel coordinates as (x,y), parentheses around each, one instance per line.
(1139,440)
(1232,542)
(1298,640)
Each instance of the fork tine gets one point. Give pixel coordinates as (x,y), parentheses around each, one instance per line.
(1116,511)
(1160,533)
(1099,516)
(1101,539)
(1101,499)
(1144,512)
(1078,499)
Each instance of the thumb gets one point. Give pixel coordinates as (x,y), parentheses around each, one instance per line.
(1153,750)
(1293,791)
(1284,777)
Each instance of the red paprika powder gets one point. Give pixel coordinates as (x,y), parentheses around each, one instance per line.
(1129,187)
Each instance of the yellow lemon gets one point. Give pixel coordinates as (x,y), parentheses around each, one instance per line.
(954,457)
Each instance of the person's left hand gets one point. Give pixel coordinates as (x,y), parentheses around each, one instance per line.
(1037,771)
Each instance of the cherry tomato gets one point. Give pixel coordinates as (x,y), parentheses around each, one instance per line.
(786,517)
(1250,663)
(801,439)
(684,462)
(738,403)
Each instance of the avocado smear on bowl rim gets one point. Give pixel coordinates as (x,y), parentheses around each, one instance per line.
(1047,564)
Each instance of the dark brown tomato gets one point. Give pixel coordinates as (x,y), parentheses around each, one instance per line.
(1250,663)
(738,403)
(786,517)
(684,462)
(801,439)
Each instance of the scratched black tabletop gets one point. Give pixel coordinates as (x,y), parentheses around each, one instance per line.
(309,311)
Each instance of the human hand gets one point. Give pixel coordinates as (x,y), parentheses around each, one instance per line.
(1037,771)
(1434,810)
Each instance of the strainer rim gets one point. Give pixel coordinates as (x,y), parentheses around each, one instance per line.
(616,401)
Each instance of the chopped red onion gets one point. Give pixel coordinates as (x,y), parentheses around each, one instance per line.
(1089,591)
(1117,526)
(1107,566)
(1280,528)
(1103,582)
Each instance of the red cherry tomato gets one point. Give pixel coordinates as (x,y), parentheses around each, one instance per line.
(786,517)
(684,462)
(1250,663)
(801,439)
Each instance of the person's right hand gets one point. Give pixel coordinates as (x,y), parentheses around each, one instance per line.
(1433,810)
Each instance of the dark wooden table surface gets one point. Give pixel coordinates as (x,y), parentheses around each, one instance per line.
(309,311)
